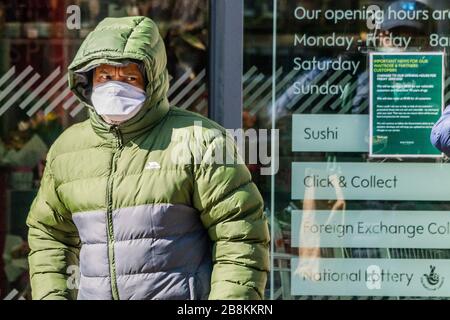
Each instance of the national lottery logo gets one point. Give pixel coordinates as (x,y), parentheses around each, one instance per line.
(432,280)
(373,278)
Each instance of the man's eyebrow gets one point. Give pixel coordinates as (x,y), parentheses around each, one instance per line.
(130,73)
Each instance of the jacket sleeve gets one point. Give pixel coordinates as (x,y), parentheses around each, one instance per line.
(231,210)
(440,134)
(54,243)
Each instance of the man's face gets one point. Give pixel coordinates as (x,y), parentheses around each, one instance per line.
(129,74)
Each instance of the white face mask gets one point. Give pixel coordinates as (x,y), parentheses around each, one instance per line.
(117,101)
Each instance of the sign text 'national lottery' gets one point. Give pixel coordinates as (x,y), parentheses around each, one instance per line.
(370,277)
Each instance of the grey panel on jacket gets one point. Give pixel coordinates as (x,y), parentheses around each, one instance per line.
(156,285)
(161,251)
(98,288)
(163,220)
(94,251)
(91,226)
(96,258)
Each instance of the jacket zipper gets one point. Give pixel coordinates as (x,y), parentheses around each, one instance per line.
(109,210)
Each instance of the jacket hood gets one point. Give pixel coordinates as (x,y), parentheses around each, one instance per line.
(114,41)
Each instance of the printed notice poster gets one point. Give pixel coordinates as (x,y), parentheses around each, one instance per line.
(406,100)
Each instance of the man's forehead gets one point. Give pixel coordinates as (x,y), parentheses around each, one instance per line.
(131,67)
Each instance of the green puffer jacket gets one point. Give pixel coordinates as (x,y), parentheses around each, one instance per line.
(140,207)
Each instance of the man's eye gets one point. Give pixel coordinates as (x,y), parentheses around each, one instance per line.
(131,79)
(105,77)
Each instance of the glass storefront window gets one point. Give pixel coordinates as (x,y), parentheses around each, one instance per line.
(359,204)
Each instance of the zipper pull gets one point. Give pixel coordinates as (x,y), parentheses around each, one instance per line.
(118,136)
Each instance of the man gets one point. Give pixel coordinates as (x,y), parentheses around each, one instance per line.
(114,201)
